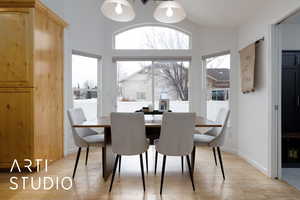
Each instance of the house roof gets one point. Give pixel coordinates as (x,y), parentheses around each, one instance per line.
(143,70)
(219,74)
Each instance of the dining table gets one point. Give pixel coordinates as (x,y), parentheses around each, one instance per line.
(152,125)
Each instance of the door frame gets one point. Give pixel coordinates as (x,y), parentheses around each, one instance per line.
(275,148)
(274,50)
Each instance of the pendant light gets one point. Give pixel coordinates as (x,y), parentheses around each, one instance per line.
(118,10)
(169,12)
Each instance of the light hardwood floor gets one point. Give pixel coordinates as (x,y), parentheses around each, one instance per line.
(243,181)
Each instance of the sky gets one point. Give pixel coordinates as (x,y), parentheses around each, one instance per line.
(219,62)
(83,69)
(142,35)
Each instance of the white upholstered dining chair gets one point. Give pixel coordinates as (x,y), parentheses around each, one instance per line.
(83,137)
(176,139)
(215,137)
(128,137)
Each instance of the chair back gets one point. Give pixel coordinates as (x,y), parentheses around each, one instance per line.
(219,132)
(76,116)
(176,136)
(128,134)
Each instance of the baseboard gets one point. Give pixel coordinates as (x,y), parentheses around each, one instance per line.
(229,150)
(72,150)
(254,164)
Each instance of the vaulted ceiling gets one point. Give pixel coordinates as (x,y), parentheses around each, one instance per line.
(294,19)
(221,12)
(227,13)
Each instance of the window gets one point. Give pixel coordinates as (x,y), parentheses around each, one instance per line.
(145,83)
(219,95)
(85,84)
(152,37)
(217,84)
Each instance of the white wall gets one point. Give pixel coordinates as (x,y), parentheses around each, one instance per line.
(290,34)
(254,109)
(86,25)
(56,6)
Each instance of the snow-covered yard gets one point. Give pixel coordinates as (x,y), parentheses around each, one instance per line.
(213,107)
(90,107)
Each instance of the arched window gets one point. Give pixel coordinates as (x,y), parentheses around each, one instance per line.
(152,37)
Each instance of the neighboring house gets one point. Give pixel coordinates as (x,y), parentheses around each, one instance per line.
(138,87)
(218,84)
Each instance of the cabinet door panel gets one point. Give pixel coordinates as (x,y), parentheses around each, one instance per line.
(291,92)
(16,48)
(289,95)
(15,125)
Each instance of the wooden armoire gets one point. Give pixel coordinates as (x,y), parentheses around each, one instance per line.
(31,82)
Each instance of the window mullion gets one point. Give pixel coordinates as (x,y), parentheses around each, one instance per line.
(153,84)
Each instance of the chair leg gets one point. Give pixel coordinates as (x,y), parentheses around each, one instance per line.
(214,150)
(102,162)
(155,167)
(142,171)
(76,162)
(182,164)
(147,161)
(193,158)
(163,174)
(190,171)
(221,162)
(120,160)
(87,155)
(114,172)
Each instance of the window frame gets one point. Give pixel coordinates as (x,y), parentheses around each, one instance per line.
(204,77)
(152,25)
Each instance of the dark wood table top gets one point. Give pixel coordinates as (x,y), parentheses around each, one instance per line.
(150,121)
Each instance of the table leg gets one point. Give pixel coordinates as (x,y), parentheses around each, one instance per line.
(108,156)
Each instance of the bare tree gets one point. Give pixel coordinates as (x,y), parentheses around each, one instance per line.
(89,84)
(165,40)
(174,73)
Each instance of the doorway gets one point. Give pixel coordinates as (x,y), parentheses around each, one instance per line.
(289,115)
